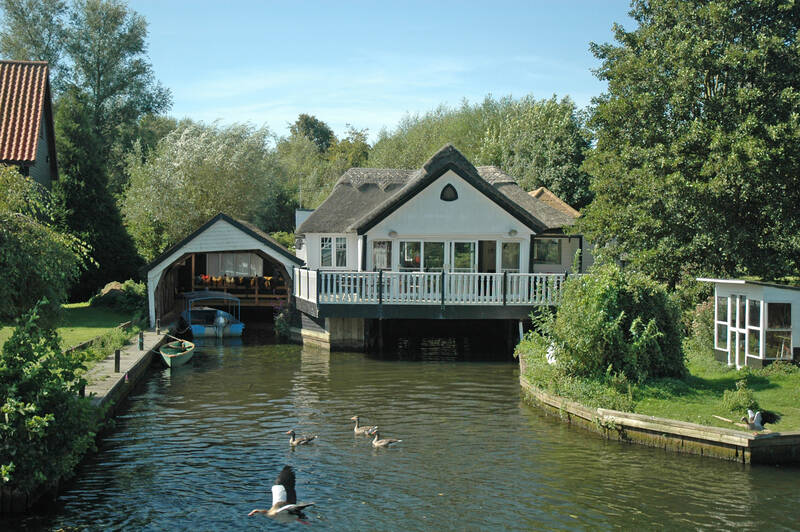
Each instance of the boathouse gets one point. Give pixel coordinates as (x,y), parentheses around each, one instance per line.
(223,255)
(753,322)
(446,241)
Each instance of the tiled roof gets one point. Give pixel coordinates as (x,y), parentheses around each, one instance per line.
(23,89)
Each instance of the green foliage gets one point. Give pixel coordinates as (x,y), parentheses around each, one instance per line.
(610,322)
(196,172)
(275,211)
(88,208)
(103,346)
(741,399)
(541,143)
(45,428)
(36,261)
(129,297)
(283,323)
(285,239)
(697,140)
(314,130)
(700,328)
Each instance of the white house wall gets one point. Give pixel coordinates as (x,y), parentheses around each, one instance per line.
(221,236)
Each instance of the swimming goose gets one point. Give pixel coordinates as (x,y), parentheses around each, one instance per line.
(385,442)
(284,498)
(365,430)
(299,441)
(757,420)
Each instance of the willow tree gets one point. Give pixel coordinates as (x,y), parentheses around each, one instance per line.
(697,155)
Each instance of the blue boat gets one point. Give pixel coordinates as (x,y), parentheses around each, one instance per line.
(207,321)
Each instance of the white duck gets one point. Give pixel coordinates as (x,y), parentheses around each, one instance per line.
(284,498)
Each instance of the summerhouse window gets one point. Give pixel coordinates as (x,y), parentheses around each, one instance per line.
(382,255)
(333,252)
(754,327)
(547,250)
(778,341)
(510,257)
(721,322)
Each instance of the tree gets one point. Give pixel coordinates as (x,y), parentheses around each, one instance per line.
(37,260)
(196,172)
(88,208)
(353,150)
(542,143)
(697,140)
(313,129)
(34,30)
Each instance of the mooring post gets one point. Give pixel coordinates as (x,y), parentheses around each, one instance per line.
(82,391)
(116,360)
(141,340)
(158,326)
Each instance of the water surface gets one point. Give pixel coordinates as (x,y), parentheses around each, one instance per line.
(198,447)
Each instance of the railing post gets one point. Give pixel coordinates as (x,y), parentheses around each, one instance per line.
(505,287)
(380,287)
(319,284)
(442,289)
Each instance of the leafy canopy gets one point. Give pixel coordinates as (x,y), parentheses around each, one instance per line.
(697,140)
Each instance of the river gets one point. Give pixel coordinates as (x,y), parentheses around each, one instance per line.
(198,447)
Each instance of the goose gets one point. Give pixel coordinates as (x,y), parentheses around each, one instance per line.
(757,420)
(385,442)
(284,498)
(365,430)
(304,440)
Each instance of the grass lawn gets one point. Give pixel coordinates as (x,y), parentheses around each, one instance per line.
(80,322)
(696,399)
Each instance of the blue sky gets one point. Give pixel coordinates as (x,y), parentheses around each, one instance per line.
(368,64)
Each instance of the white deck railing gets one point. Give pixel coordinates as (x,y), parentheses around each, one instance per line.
(427,288)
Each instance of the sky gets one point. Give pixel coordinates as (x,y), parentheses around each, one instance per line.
(369,64)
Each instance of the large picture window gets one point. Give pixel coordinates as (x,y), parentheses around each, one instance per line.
(510,257)
(410,259)
(464,257)
(381,255)
(778,341)
(547,250)
(433,256)
(333,252)
(234,264)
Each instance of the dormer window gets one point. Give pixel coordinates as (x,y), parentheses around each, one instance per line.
(449,193)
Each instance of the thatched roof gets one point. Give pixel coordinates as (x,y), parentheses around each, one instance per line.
(544,194)
(364,196)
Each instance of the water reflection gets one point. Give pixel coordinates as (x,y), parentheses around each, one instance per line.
(199,448)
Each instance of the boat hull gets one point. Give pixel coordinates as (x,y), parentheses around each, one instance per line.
(204,323)
(206,331)
(177,353)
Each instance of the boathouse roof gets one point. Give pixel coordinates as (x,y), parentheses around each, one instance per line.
(364,196)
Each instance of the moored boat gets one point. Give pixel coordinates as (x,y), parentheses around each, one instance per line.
(177,353)
(209,322)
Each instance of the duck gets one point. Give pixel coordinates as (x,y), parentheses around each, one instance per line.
(284,497)
(385,442)
(304,440)
(365,430)
(757,420)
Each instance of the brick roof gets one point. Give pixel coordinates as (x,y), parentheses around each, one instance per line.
(23,96)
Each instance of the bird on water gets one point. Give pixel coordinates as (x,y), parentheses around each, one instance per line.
(365,429)
(303,440)
(385,442)
(284,497)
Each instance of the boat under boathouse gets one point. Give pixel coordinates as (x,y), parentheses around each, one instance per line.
(448,241)
(225,256)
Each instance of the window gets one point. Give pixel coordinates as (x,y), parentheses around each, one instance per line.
(410,256)
(721,313)
(510,257)
(234,264)
(778,341)
(381,255)
(433,256)
(464,257)
(754,327)
(449,193)
(547,250)
(333,252)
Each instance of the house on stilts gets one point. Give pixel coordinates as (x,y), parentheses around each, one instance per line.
(448,241)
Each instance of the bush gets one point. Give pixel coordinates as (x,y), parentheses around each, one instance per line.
(45,428)
(615,323)
(129,297)
(741,399)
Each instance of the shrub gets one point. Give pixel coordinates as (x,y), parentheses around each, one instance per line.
(740,399)
(45,428)
(130,297)
(612,322)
